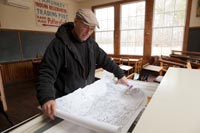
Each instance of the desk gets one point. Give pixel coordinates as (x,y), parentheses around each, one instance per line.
(152,68)
(149,70)
(100,73)
(126,68)
(137,64)
(39,123)
(175,106)
(133,60)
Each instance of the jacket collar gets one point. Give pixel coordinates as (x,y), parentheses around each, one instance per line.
(65,34)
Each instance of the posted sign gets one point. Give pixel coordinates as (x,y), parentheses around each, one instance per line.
(50,12)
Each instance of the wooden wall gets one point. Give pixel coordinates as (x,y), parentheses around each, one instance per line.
(17,72)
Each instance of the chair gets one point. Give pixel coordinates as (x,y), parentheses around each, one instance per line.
(125,60)
(166,62)
(188,65)
(138,65)
(3,104)
(117,60)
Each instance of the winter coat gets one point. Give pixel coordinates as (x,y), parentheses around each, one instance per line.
(62,70)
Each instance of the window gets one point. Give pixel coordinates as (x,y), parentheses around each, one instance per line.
(127,27)
(104,36)
(168,26)
(132,28)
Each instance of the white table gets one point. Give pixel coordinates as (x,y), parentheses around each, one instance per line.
(148,70)
(153,68)
(100,73)
(39,123)
(125,68)
(133,60)
(175,106)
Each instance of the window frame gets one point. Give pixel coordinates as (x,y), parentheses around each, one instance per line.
(108,30)
(163,27)
(149,7)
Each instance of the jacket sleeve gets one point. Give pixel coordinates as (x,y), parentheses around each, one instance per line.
(106,63)
(48,71)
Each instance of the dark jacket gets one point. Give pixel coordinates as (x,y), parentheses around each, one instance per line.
(62,71)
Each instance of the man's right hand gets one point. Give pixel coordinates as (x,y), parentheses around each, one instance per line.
(123,80)
(49,109)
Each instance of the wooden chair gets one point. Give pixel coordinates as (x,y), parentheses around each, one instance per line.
(125,60)
(3,104)
(117,61)
(138,65)
(188,65)
(166,62)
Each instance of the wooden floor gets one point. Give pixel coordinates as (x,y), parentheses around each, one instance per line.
(22,103)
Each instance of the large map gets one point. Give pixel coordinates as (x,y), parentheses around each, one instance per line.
(103,106)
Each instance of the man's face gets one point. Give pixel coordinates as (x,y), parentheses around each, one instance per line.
(82,30)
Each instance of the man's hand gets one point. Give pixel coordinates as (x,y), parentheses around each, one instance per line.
(49,109)
(123,80)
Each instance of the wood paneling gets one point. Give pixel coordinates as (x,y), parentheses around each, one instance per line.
(17,72)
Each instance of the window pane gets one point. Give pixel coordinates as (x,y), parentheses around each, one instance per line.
(168,26)
(105,40)
(159,6)
(179,18)
(180,5)
(104,35)
(132,28)
(168,19)
(169,5)
(158,20)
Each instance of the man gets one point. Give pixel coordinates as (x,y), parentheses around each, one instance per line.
(70,61)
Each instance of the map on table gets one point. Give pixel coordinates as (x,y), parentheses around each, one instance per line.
(103,106)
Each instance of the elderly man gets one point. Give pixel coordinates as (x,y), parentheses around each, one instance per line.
(70,61)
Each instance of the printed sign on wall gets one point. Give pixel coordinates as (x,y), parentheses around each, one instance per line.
(50,12)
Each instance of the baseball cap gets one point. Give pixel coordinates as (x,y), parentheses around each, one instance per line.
(88,17)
